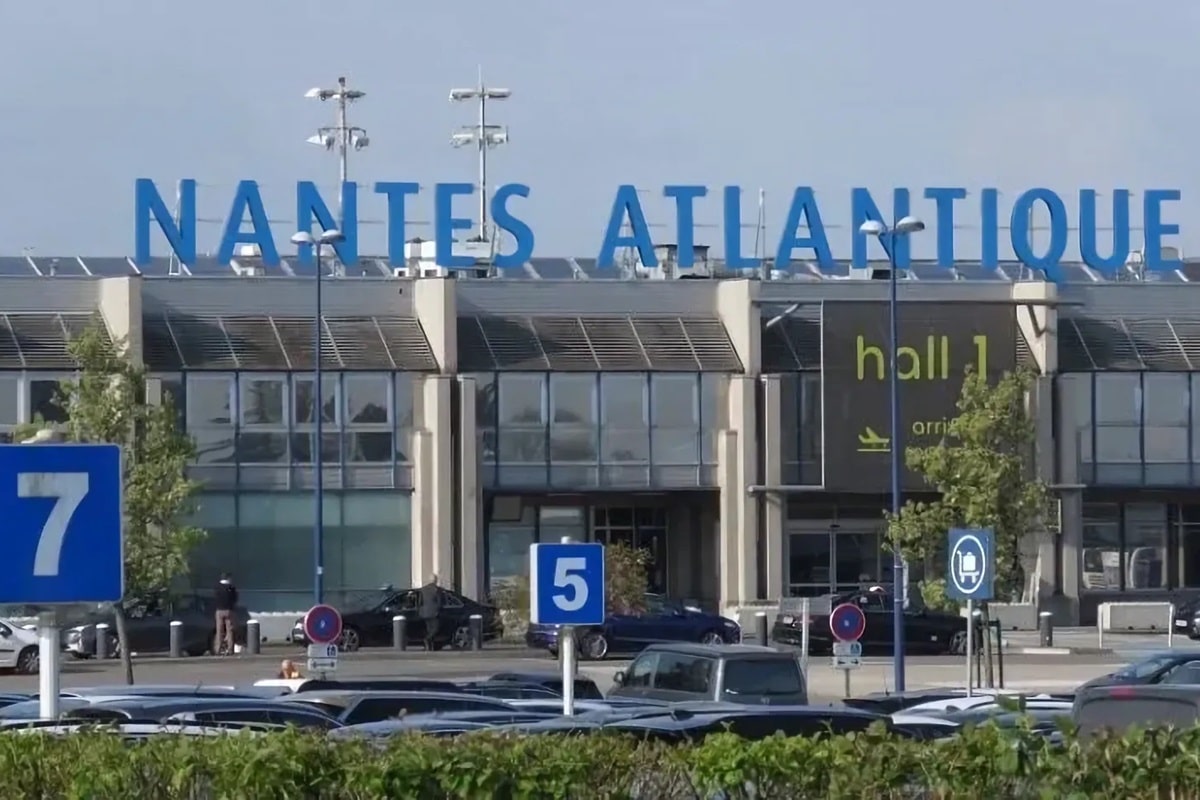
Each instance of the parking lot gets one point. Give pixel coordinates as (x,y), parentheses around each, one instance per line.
(825,683)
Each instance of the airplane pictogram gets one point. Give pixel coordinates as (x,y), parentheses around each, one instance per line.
(871,442)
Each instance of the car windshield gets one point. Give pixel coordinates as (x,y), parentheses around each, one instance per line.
(1145,668)
(762,676)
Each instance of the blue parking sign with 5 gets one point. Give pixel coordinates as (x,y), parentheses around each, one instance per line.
(62,512)
(566,584)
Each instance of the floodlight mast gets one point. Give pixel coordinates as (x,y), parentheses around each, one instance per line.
(482,135)
(342,135)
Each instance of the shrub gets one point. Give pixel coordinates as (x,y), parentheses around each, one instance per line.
(982,762)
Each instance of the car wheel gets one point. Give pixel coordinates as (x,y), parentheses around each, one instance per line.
(712,637)
(593,647)
(28,661)
(461,640)
(957,646)
(350,641)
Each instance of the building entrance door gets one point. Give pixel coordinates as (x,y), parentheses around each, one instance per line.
(828,558)
(640,529)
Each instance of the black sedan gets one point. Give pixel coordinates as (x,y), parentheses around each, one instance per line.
(1187,618)
(148,626)
(1179,666)
(368,623)
(925,631)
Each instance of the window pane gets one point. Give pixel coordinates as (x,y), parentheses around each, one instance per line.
(366,399)
(573,399)
(623,399)
(403,397)
(1075,404)
(1118,398)
(676,446)
(522,446)
(714,400)
(1166,398)
(302,448)
(624,446)
(45,397)
(522,398)
(10,387)
(675,401)
(262,401)
(262,448)
(372,447)
(574,443)
(303,400)
(209,399)
(213,445)
(508,551)
(1101,547)
(1145,546)
(485,399)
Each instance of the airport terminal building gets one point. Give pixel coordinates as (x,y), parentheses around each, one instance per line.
(736,428)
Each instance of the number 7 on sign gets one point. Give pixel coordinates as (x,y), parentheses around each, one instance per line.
(68,489)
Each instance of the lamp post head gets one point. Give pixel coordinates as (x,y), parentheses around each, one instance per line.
(302,238)
(331,236)
(873,227)
(909,224)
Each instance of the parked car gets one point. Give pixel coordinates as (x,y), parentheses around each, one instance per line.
(925,630)
(693,724)
(148,626)
(1117,708)
(742,674)
(585,687)
(283,686)
(661,620)
(368,622)
(1187,618)
(355,708)
(1168,666)
(18,648)
(214,712)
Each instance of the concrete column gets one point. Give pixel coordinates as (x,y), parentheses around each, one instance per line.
(433,506)
(773,503)
(1069,474)
(120,301)
(738,457)
(1039,323)
(470,505)
(436,310)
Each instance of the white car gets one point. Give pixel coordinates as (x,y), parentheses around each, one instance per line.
(18,648)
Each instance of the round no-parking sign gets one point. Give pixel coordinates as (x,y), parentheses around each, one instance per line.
(847,622)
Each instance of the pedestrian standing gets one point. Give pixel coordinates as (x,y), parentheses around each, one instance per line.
(431,610)
(225,597)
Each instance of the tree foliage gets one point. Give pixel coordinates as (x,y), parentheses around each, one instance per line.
(106,402)
(982,471)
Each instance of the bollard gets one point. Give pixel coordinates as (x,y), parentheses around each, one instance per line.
(399,633)
(1046,629)
(253,637)
(176,646)
(476,623)
(760,627)
(101,641)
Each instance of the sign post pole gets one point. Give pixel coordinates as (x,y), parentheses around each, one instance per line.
(322,628)
(971,561)
(970,640)
(49,664)
(847,623)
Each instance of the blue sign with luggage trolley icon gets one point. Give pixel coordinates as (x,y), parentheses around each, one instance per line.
(971,562)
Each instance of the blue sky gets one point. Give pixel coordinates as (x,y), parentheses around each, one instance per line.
(761,93)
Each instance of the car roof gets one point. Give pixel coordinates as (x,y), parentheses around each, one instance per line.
(158,690)
(719,650)
(176,705)
(348,696)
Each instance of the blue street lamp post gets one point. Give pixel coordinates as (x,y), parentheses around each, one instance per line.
(306,239)
(903,227)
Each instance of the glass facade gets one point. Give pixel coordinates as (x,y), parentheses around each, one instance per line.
(1135,428)
(800,405)
(599,430)
(26,396)
(1139,546)
(256,441)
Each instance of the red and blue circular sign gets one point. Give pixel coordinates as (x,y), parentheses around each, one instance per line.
(847,622)
(322,625)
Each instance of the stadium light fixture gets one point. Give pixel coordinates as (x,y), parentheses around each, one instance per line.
(482,135)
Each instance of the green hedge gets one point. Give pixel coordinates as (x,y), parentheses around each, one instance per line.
(982,763)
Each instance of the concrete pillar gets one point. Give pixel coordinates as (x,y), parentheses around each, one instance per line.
(120,302)
(773,503)
(433,506)
(470,505)
(738,457)
(1069,474)
(436,310)
(1039,323)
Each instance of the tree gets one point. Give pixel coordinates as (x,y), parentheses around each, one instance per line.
(982,471)
(106,402)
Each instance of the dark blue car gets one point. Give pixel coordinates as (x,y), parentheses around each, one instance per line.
(662,621)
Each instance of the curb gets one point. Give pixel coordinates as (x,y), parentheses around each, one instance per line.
(1059,651)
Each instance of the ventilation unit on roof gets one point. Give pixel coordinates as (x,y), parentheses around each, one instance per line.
(874,272)
(247,263)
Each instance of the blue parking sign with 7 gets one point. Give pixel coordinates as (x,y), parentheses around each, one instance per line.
(566,584)
(62,511)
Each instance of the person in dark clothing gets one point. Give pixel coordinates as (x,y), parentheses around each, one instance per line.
(431,609)
(225,597)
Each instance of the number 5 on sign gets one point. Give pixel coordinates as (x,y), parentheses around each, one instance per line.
(566,584)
